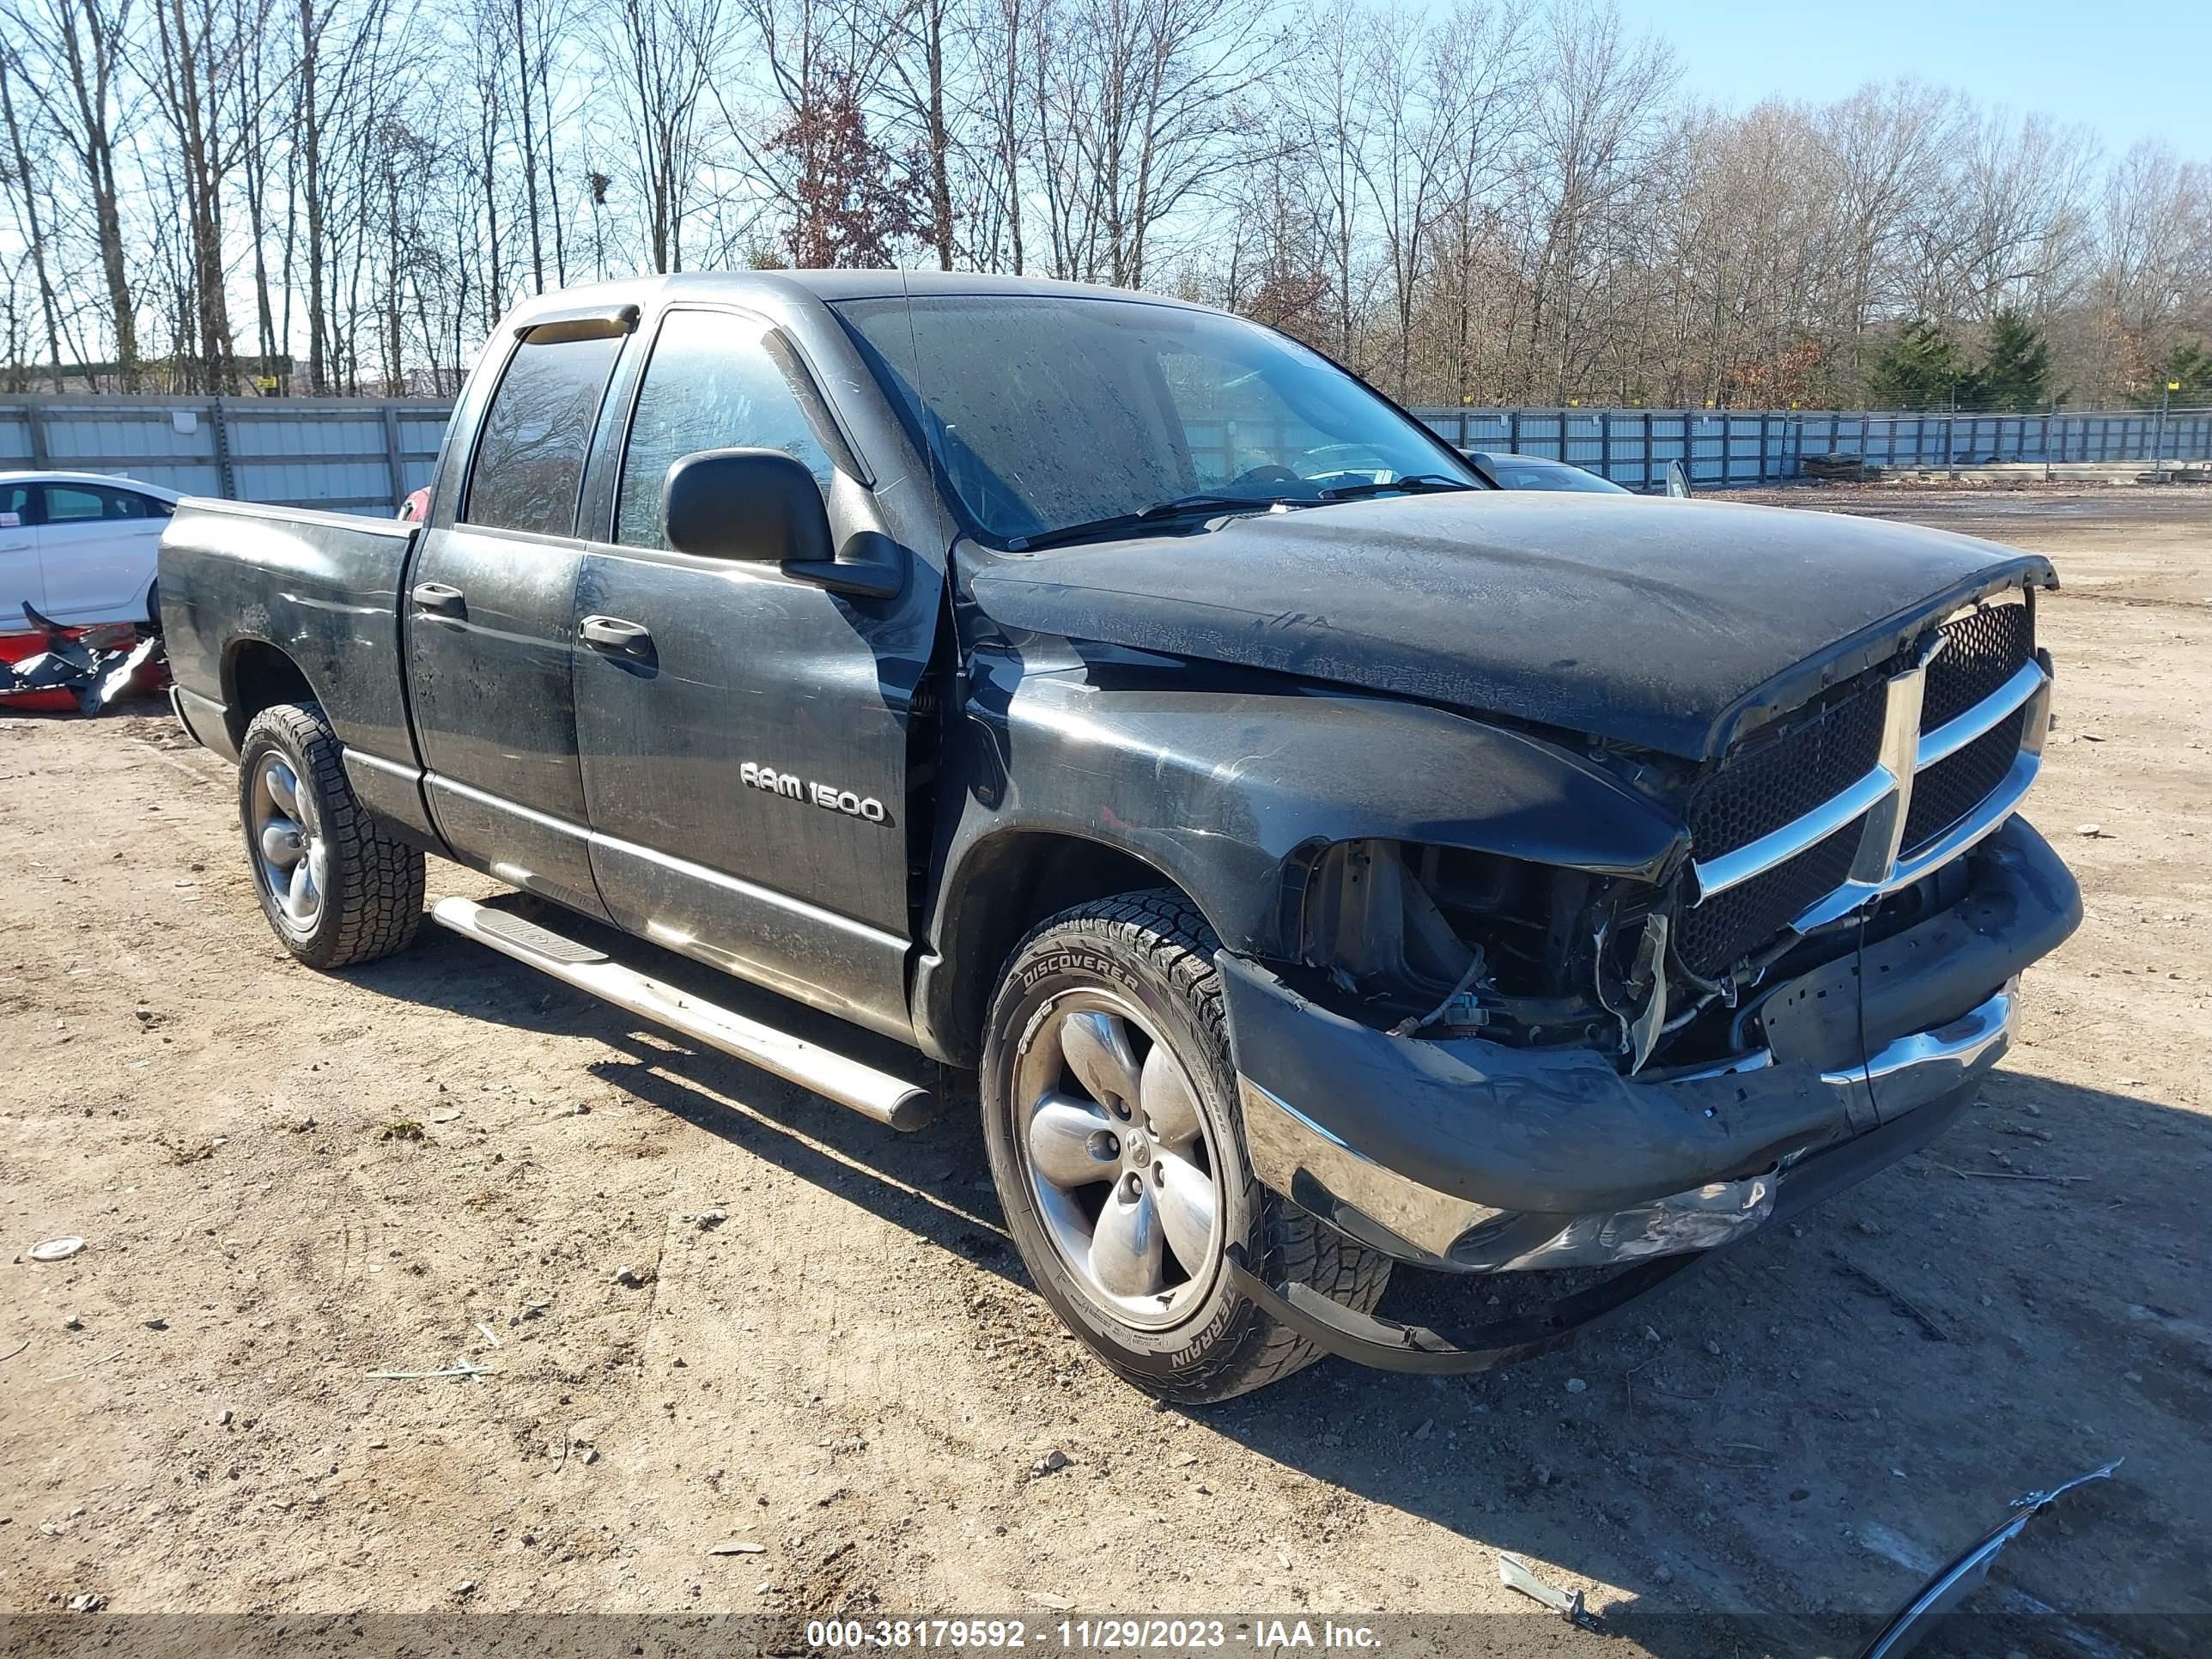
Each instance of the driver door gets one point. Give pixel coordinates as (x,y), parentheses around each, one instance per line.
(721,704)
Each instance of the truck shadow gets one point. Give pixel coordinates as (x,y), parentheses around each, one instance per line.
(935,1183)
(1769,1456)
(1773,1454)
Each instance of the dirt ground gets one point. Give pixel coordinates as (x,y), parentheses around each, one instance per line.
(290,1181)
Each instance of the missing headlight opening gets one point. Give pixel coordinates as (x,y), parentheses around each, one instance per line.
(1444,942)
(1439,942)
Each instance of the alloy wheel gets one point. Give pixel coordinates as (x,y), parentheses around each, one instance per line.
(1110,1134)
(290,857)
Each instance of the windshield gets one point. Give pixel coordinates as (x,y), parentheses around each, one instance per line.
(1518,473)
(1048,412)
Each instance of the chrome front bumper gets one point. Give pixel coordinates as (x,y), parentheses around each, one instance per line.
(1473,1157)
(1291,1153)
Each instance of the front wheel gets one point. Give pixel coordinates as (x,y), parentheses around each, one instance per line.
(335,889)
(1110,1116)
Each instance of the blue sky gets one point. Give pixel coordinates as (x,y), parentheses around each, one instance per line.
(2134,70)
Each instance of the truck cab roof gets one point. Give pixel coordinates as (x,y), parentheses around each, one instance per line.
(824,286)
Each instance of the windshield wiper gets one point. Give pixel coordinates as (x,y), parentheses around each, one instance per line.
(1183,506)
(1420,484)
(1158,513)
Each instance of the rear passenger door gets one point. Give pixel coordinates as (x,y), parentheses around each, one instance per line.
(704,742)
(490,610)
(97,546)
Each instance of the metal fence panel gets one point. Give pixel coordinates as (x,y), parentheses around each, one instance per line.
(364,454)
(1733,448)
(355,454)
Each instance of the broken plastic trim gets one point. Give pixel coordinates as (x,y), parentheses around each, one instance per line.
(1390,1346)
(1516,1574)
(1966,1572)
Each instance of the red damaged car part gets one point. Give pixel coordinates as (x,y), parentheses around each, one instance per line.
(58,669)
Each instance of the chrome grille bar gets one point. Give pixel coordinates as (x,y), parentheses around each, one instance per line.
(1996,806)
(1953,735)
(1716,876)
(1883,797)
(1900,734)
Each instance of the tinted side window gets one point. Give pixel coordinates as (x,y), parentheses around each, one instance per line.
(713,383)
(73,503)
(14,505)
(529,458)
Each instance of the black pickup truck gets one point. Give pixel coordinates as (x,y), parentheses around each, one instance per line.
(1321,860)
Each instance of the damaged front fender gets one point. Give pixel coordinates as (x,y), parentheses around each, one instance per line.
(1228,788)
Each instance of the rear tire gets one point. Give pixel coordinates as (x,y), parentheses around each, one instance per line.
(335,889)
(1070,1074)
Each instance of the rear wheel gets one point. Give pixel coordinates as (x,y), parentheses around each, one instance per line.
(1110,1115)
(335,891)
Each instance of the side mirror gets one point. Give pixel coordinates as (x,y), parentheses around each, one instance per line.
(763,507)
(758,505)
(1677,478)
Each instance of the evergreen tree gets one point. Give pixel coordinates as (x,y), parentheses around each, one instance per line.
(2190,365)
(1922,369)
(2018,374)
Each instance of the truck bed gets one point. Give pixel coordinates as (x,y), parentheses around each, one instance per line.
(321,588)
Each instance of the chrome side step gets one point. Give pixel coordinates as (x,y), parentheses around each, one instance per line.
(895,1101)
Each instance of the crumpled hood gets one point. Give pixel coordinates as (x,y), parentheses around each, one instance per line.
(1674,625)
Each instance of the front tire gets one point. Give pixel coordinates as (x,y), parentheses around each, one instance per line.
(1110,1113)
(336,892)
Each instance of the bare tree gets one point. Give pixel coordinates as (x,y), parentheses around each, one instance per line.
(1412,145)
(1597,100)
(26,187)
(1479,71)
(1135,101)
(1001,36)
(2156,284)
(666,52)
(78,82)
(1465,201)
(196,74)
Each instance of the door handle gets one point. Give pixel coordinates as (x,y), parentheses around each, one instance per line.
(628,639)
(438,599)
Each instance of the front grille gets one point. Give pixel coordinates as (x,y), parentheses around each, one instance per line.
(1983,650)
(1714,935)
(1777,781)
(1959,782)
(1781,781)
(1759,792)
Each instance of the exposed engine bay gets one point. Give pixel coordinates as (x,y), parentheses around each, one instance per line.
(1442,942)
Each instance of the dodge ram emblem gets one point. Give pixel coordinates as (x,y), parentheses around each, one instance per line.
(828,796)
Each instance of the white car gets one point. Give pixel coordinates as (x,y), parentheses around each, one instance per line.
(80,547)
